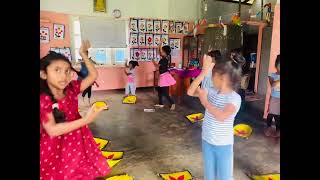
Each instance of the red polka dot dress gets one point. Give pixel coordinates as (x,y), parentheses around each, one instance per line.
(72,156)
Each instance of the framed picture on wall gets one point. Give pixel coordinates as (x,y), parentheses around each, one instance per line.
(156,39)
(143,56)
(150,26)
(131,54)
(177,44)
(58,31)
(134,39)
(185,28)
(134,25)
(142,39)
(149,40)
(179,27)
(157,26)
(150,55)
(44,35)
(165,39)
(136,53)
(172,28)
(156,55)
(165,27)
(99,6)
(171,44)
(66,52)
(142,25)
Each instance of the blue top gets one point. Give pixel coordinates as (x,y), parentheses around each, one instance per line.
(275,92)
(83,71)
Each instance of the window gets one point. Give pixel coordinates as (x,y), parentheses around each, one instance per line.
(105,56)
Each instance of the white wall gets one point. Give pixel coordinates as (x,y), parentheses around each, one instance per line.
(163,9)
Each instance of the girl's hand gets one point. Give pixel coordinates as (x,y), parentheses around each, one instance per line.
(93,113)
(207,63)
(85,45)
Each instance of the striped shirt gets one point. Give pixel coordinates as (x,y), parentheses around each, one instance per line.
(217,132)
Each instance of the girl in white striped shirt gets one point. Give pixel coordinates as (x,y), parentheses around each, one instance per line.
(222,104)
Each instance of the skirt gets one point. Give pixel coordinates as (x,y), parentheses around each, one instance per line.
(166,79)
(274,106)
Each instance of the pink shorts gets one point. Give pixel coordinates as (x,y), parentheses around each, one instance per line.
(130,79)
(166,79)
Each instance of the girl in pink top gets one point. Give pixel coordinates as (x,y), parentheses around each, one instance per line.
(130,72)
(67,148)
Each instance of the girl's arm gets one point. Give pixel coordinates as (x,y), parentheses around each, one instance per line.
(219,114)
(92,72)
(207,66)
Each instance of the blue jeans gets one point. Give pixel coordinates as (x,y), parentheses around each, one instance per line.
(218,161)
(130,89)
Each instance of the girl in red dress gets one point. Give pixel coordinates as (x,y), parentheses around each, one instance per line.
(67,148)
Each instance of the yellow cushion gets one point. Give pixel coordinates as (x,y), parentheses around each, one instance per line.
(267,177)
(100,104)
(183,175)
(112,155)
(101,142)
(121,177)
(242,130)
(112,163)
(195,117)
(129,100)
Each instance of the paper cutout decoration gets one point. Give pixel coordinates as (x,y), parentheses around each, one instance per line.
(183,175)
(134,39)
(177,44)
(185,28)
(171,44)
(157,26)
(100,104)
(136,53)
(195,117)
(172,28)
(150,55)
(156,40)
(129,100)
(179,27)
(142,39)
(266,177)
(121,177)
(142,25)
(112,163)
(99,6)
(131,54)
(112,155)
(134,25)
(101,142)
(66,52)
(149,40)
(143,55)
(242,130)
(165,39)
(150,26)
(165,27)
(236,20)
(58,31)
(44,35)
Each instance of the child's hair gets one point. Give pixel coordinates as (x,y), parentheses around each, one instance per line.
(216,54)
(59,116)
(277,61)
(167,50)
(232,68)
(134,64)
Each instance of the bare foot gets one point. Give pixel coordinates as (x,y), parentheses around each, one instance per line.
(173,107)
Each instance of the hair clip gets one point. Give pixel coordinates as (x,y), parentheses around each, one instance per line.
(55,105)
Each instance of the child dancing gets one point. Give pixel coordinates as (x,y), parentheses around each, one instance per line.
(131,74)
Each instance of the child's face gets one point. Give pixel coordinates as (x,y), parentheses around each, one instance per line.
(58,74)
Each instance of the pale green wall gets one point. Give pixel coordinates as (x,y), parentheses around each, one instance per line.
(162,9)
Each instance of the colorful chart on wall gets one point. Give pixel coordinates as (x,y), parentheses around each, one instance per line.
(185,28)
(156,39)
(112,155)
(121,177)
(157,26)
(112,163)
(171,44)
(182,175)
(196,117)
(177,44)
(172,28)
(55,49)
(150,26)
(165,27)
(266,177)
(149,40)
(142,39)
(143,55)
(179,27)
(66,52)
(150,55)
(165,39)
(134,25)
(142,25)
(58,31)
(134,39)
(136,54)
(242,130)
(131,54)
(101,142)
(44,35)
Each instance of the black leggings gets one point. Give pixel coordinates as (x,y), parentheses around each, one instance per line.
(276,118)
(87,91)
(164,91)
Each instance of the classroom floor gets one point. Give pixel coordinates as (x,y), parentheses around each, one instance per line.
(164,141)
